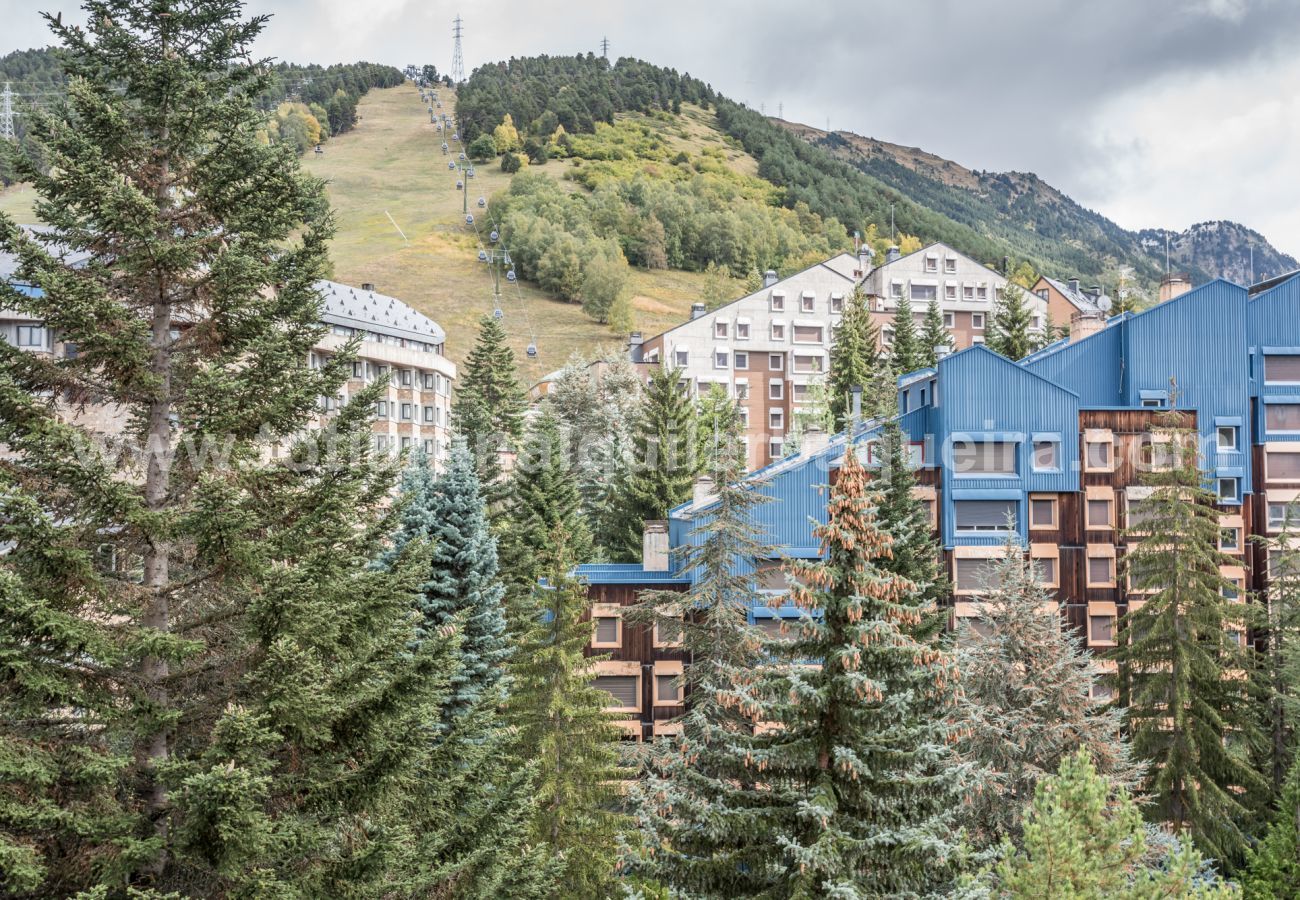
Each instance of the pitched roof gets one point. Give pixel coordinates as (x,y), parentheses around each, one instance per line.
(352,307)
(1080,299)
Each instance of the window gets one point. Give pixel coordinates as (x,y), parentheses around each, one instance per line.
(31,336)
(977,321)
(668,689)
(1139,514)
(430,381)
(932,264)
(776,420)
(1282,466)
(607,631)
(1101,691)
(742,331)
(776,361)
(808,334)
(681,358)
(896,290)
(1047,456)
(1227,438)
(972,574)
(776,389)
(742,387)
(775,448)
(406,412)
(778,301)
(720,359)
(428,414)
(358,368)
(1282,416)
(1098,455)
(622,690)
(1099,514)
(778,331)
(1282,369)
(668,632)
(798,393)
(1045,567)
(720,330)
(406,443)
(381,409)
(984,515)
(1101,630)
(924,292)
(949,320)
(1042,512)
(742,359)
(1231,591)
(1230,540)
(984,458)
(804,362)
(744,416)
(981,292)
(950,264)
(968,292)
(837,304)
(405,378)
(1277,516)
(1101,571)
(1229,490)
(950,293)
(807,303)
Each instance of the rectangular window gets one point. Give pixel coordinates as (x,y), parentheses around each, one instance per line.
(1283,466)
(982,292)
(381,409)
(778,302)
(428,445)
(950,264)
(896,290)
(984,458)
(720,359)
(924,292)
(1277,516)
(1229,540)
(1045,567)
(775,362)
(1098,456)
(406,412)
(428,413)
(932,264)
(776,420)
(1229,491)
(778,331)
(949,320)
(742,331)
(405,378)
(681,358)
(798,393)
(806,363)
(1099,514)
(430,381)
(622,690)
(720,330)
(1231,591)
(968,292)
(984,515)
(1282,416)
(1101,630)
(668,632)
(742,359)
(837,304)
(31,336)
(776,389)
(742,387)
(1047,456)
(667,688)
(744,416)
(358,368)
(808,334)
(1227,438)
(406,443)
(1282,369)
(775,449)
(606,631)
(1101,571)
(950,293)
(1042,512)
(972,574)
(977,321)
(807,303)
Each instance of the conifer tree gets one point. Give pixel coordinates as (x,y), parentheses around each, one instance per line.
(488,411)
(663,457)
(1190,704)
(860,739)
(463,584)
(1084,838)
(934,334)
(713,415)
(1010,328)
(906,353)
(563,726)
(1026,704)
(705,814)
(206,685)
(1273,864)
(1282,662)
(855,358)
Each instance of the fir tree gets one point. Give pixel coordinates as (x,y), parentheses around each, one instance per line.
(663,458)
(1010,328)
(206,685)
(1190,706)
(1026,703)
(860,738)
(1273,864)
(906,353)
(855,358)
(463,584)
(1282,662)
(933,334)
(563,726)
(705,813)
(488,412)
(1084,838)
(713,416)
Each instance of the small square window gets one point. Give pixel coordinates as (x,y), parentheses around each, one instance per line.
(977,321)
(837,303)
(949,320)
(776,420)
(1045,567)
(1231,591)
(950,293)
(742,387)
(1042,512)
(776,390)
(1229,490)
(896,290)
(721,359)
(720,329)
(981,292)
(681,358)
(778,331)
(741,359)
(1230,539)
(932,264)
(968,292)
(1101,571)
(807,303)
(776,362)
(950,264)
(1227,438)
(607,631)
(1047,456)
(1098,456)
(778,302)
(668,689)
(1099,514)
(1101,631)
(1101,691)
(775,449)
(742,331)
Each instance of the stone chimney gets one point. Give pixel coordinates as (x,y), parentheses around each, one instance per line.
(703,490)
(1083,324)
(814,438)
(892,254)
(769,278)
(1172,286)
(1073,284)
(697,310)
(654,546)
(864,261)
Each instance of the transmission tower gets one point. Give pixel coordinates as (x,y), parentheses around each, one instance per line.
(457,60)
(604,47)
(7,113)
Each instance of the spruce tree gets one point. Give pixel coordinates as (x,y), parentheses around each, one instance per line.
(1273,864)
(463,584)
(713,414)
(488,411)
(855,358)
(1026,705)
(1190,702)
(860,739)
(934,334)
(906,353)
(1282,660)
(706,814)
(1009,330)
(207,687)
(663,458)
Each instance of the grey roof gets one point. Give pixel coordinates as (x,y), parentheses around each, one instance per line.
(352,307)
(9,262)
(1082,300)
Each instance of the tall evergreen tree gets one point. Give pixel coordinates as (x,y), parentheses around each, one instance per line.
(663,457)
(1273,864)
(855,358)
(934,334)
(204,684)
(1190,702)
(1010,328)
(1026,703)
(713,414)
(860,738)
(488,411)
(1282,660)
(906,353)
(463,584)
(705,812)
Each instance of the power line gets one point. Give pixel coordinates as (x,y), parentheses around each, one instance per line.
(604,47)
(457,59)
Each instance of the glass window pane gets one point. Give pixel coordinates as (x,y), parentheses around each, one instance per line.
(1099,513)
(1099,570)
(1045,454)
(606,630)
(1284,466)
(621,689)
(1282,416)
(1042,513)
(1284,369)
(1101,629)
(984,515)
(985,458)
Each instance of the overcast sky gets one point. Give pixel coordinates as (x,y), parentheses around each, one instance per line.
(1154,112)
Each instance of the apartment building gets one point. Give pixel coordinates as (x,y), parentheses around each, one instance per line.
(1067,299)
(1057,445)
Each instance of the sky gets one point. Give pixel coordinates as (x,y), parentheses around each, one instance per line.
(1156,113)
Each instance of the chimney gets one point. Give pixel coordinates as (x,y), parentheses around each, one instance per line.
(814,438)
(942,350)
(892,254)
(703,491)
(367,286)
(1172,286)
(1095,290)
(635,346)
(864,261)
(1083,324)
(769,278)
(1006,267)
(654,546)
(1073,285)
(697,310)
(856,391)
(635,339)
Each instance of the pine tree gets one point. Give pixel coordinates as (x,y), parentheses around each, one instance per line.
(463,583)
(1190,706)
(906,353)
(860,738)
(1084,838)
(206,685)
(663,458)
(855,358)
(1273,864)
(713,414)
(706,815)
(1282,662)
(488,411)
(1010,329)
(563,726)
(934,334)
(1026,703)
